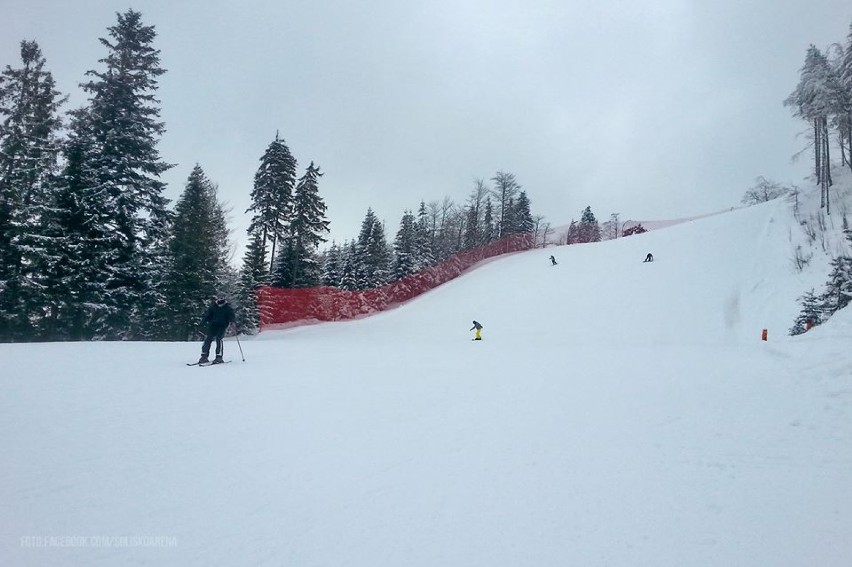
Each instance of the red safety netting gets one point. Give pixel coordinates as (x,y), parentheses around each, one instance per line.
(281,308)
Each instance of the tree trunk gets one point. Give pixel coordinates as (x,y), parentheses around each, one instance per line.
(849,139)
(272,256)
(843,136)
(817,150)
(826,140)
(825,177)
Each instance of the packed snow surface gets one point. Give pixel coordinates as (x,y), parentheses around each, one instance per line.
(616,413)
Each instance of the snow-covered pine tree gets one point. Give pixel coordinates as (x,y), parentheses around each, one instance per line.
(837,294)
(197,258)
(813,101)
(588,229)
(253,274)
(488,232)
(351,268)
(272,196)
(284,273)
(84,234)
(29,151)
(509,221)
(405,259)
(332,265)
(844,110)
(423,250)
(838,288)
(471,229)
(810,315)
(572,236)
(523,217)
(298,264)
(121,128)
(373,261)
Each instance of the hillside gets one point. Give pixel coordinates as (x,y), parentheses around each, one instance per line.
(616,413)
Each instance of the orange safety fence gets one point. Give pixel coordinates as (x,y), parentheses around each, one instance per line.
(282,308)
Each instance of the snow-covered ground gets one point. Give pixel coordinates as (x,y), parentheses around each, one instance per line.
(617,413)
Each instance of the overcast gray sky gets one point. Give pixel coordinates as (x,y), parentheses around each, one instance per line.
(651,109)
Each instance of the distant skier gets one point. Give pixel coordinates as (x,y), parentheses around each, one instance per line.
(478,328)
(219,315)
(649,258)
(552,261)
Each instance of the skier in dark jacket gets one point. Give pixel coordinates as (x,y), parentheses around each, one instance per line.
(552,261)
(219,315)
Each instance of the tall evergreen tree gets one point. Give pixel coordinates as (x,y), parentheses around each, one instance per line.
(351,267)
(332,266)
(471,232)
(373,260)
(85,237)
(113,173)
(838,288)
(197,257)
(488,232)
(509,222)
(588,230)
(811,313)
(813,101)
(404,247)
(572,236)
(844,110)
(272,196)
(523,217)
(253,274)
(423,251)
(297,262)
(837,294)
(29,151)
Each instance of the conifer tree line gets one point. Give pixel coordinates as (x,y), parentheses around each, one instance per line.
(437,231)
(287,226)
(817,308)
(91,249)
(823,99)
(85,231)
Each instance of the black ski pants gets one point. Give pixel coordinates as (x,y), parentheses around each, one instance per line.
(214,333)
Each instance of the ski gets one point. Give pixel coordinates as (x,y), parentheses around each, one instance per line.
(212,364)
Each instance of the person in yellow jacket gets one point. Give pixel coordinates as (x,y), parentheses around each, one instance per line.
(478,328)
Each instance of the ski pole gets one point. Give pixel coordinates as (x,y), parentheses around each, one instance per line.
(241,347)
